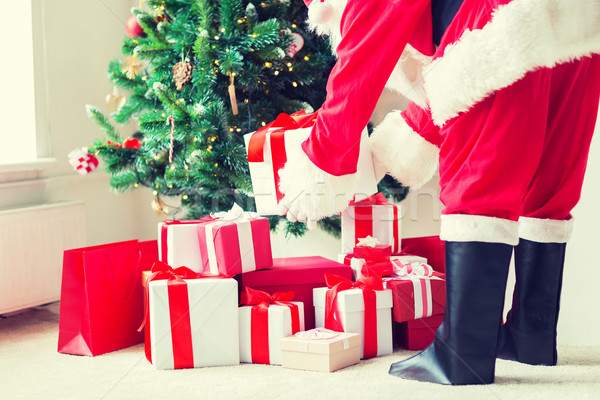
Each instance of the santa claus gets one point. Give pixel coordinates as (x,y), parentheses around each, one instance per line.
(504,98)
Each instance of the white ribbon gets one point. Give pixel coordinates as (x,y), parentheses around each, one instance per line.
(368,241)
(234,214)
(242,221)
(421,275)
(320,334)
(420,270)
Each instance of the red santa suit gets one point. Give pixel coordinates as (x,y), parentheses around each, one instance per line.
(507,103)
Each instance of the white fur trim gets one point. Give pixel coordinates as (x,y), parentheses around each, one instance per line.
(478,228)
(311,193)
(403,153)
(545,230)
(332,25)
(522,36)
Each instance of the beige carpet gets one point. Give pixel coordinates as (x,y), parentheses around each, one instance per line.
(30,368)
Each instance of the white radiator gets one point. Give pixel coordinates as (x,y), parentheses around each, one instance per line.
(32,241)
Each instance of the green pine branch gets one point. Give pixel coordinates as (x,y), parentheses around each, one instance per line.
(102,121)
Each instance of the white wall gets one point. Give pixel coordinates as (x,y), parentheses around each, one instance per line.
(83,36)
(579,322)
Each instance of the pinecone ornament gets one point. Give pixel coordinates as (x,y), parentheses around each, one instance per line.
(182,74)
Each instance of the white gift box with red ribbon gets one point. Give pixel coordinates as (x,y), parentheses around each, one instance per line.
(267,149)
(178,243)
(203,333)
(351,308)
(374,217)
(279,326)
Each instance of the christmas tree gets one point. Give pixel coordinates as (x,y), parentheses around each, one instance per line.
(199,75)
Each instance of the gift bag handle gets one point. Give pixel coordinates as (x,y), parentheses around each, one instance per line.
(127,298)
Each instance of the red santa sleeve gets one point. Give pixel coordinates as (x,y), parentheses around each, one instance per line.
(374,34)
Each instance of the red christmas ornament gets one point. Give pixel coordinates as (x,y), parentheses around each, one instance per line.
(132,144)
(133,28)
(129,143)
(83,161)
(296,45)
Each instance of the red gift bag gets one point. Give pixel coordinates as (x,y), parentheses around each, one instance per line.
(102,299)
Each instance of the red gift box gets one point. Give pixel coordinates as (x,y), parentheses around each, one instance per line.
(430,247)
(416,297)
(376,259)
(417,334)
(298,274)
(230,247)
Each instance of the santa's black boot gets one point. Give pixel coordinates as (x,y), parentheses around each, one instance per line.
(463,351)
(529,334)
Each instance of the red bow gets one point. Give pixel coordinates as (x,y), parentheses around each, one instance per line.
(373,200)
(259,325)
(368,285)
(161,270)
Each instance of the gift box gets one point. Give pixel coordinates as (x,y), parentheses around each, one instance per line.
(382,268)
(417,334)
(362,307)
(369,254)
(191,322)
(178,243)
(374,217)
(267,149)
(429,247)
(264,322)
(418,292)
(320,350)
(235,242)
(297,274)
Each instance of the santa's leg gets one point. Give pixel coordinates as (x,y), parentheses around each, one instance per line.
(487,160)
(529,334)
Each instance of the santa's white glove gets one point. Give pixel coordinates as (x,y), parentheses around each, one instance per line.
(401,152)
(311,194)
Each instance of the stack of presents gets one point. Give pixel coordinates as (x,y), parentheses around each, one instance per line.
(209,293)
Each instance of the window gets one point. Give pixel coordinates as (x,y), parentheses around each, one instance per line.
(17,108)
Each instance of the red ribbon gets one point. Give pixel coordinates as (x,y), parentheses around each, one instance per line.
(379,253)
(369,284)
(179,311)
(164,249)
(376,258)
(363,218)
(259,325)
(281,124)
